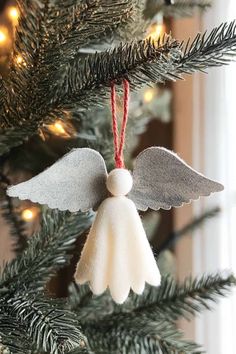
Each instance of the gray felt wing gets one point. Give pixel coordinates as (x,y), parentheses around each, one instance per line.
(76,182)
(162,180)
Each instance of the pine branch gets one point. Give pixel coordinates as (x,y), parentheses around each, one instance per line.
(89,307)
(48,323)
(144,321)
(180,8)
(17,226)
(13,336)
(136,27)
(2,97)
(209,50)
(125,333)
(84,84)
(173,300)
(141,62)
(47,37)
(169,301)
(145,62)
(91,21)
(49,326)
(190,227)
(47,251)
(23,80)
(12,137)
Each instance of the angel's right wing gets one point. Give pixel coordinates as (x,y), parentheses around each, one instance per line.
(76,182)
(162,180)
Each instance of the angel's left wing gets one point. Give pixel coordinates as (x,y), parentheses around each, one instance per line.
(162,180)
(76,182)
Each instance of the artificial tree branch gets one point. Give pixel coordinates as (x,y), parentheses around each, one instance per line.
(171,300)
(46,40)
(85,83)
(47,251)
(12,335)
(23,79)
(17,226)
(174,236)
(146,62)
(48,323)
(90,21)
(140,62)
(125,333)
(49,326)
(81,89)
(185,299)
(209,50)
(2,99)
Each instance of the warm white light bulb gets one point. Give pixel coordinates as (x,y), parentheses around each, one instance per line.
(13,14)
(20,60)
(58,128)
(27,214)
(156,31)
(149,94)
(3,35)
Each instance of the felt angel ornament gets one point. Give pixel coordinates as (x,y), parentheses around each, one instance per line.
(117,254)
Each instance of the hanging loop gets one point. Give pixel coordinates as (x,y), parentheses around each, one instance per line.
(119,141)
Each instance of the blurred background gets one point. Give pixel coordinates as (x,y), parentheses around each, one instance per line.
(197,119)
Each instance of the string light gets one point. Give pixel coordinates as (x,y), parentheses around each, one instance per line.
(156,31)
(13,14)
(149,94)
(3,35)
(64,129)
(20,60)
(58,128)
(28,214)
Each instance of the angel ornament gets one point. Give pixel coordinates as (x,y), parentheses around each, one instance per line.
(117,254)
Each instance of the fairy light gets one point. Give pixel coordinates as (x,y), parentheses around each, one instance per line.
(149,95)
(28,214)
(13,14)
(59,128)
(63,128)
(20,60)
(3,35)
(156,31)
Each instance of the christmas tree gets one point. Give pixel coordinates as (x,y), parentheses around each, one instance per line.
(57,80)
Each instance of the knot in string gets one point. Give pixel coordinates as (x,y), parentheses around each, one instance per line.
(119,145)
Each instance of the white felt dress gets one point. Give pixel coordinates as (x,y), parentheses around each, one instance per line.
(117,254)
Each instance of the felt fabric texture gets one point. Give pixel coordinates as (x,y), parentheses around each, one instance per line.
(119,182)
(162,180)
(76,182)
(117,254)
